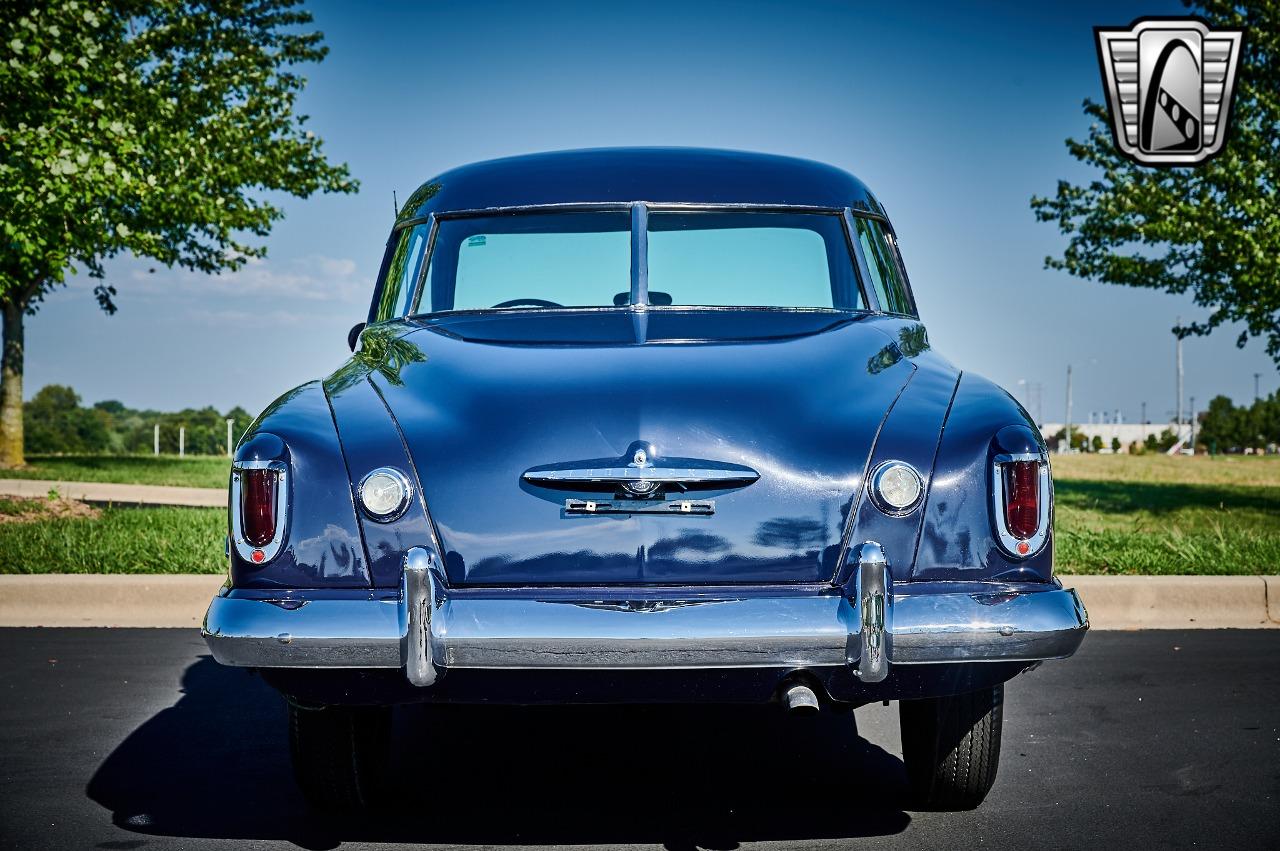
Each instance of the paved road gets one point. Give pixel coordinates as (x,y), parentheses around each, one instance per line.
(122,739)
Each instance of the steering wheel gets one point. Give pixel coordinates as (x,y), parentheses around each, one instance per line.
(532,302)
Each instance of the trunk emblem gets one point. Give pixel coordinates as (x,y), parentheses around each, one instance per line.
(640,487)
(641,473)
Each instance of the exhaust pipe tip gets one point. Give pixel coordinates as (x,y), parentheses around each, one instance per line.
(800,700)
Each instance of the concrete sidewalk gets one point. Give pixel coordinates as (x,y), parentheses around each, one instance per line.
(119,494)
(179,600)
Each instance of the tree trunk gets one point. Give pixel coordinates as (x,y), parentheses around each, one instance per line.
(11,450)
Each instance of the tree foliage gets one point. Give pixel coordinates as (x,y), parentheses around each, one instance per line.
(158,128)
(1224,427)
(1211,230)
(154,127)
(56,423)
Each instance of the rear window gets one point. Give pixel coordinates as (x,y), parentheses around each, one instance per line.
(750,260)
(575,259)
(529,261)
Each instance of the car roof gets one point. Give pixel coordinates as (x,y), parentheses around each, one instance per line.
(624,175)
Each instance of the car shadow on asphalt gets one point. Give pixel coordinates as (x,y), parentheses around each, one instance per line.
(216,765)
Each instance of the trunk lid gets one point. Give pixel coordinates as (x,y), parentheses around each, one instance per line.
(786,405)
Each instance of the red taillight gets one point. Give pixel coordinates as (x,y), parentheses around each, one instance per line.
(1021,497)
(258,506)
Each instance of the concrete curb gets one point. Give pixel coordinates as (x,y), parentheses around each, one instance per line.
(1179,602)
(180,600)
(64,599)
(116,493)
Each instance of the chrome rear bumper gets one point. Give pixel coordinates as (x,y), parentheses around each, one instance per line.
(430,629)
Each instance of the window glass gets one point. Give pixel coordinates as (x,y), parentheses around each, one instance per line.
(750,259)
(402,272)
(530,261)
(882,266)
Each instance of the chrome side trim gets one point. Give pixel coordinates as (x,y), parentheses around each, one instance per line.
(243,548)
(1008,541)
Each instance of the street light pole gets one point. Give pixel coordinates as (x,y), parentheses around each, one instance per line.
(1178,350)
(1068,407)
(1193,425)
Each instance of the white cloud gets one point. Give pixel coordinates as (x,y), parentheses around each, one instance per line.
(312,277)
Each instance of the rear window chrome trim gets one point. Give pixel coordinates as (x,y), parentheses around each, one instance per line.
(631,308)
(626,206)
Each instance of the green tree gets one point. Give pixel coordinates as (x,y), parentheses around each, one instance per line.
(1224,427)
(1095,444)
(1220,425)
(158,128)
(55,422)
(1211,230)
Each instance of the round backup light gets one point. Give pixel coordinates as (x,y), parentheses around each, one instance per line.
(896,487)
(384,493)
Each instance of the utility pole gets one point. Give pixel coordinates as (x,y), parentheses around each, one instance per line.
(182,441)
(156,438)
(1178,407)
(229,423)
(1068,407)
(1193,425)
(1144,421)
(1256,376)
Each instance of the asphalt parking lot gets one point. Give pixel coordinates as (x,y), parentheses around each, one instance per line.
(122,739)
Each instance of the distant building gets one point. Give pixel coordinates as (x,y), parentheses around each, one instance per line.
(1127,432)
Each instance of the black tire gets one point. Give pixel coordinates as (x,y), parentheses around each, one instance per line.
(951,747)
(341,755)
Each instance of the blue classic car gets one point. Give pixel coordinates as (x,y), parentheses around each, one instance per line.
(643,425)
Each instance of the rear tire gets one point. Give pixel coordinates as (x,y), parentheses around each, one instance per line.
(341,755)
(951,747)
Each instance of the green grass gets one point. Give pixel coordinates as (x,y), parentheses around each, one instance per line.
(120,540)
(1115,514)
(1262,470)
(192,471)
(1160,515)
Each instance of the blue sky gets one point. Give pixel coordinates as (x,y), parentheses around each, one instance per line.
(954,117)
